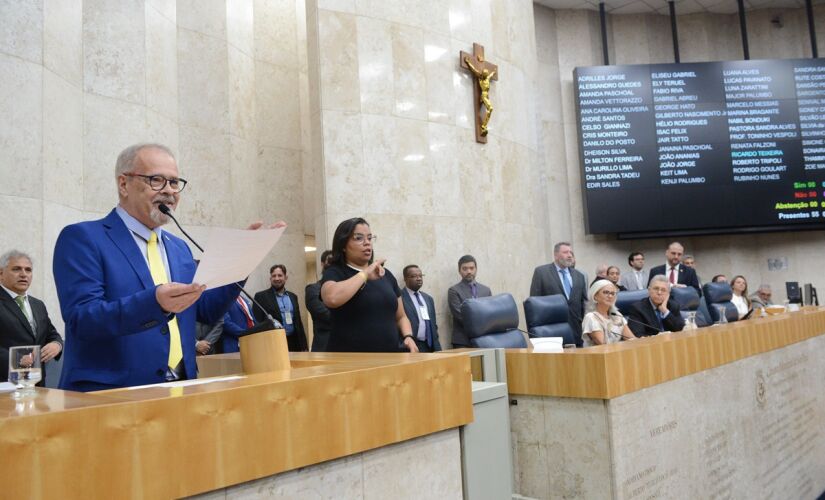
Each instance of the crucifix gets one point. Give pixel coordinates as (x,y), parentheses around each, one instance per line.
(483,72)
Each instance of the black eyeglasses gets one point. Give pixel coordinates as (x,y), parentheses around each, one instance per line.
(158,182)
(360,238)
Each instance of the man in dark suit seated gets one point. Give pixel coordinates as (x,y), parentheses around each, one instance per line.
(23,318)
(656,313)
(676,273)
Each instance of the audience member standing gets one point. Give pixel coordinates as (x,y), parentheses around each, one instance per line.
(614,276)
(559,278)
(283,306)
(363,296)
(467,288)
(321,319)
(420,310)
(677,274)
(637,278)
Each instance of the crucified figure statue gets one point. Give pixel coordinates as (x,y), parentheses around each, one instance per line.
(484,76)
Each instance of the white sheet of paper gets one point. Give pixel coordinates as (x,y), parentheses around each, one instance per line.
(7,386)
(232,254)
(187,383)
(547,344)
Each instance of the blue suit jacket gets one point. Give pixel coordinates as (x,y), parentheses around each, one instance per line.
(116,333)
(234,323)
(412,315)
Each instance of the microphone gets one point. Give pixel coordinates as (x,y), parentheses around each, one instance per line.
(275,323)
(636,321)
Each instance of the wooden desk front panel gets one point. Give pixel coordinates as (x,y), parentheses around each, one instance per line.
(163,443)
(608,371)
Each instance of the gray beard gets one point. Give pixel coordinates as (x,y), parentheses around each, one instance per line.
(157,216)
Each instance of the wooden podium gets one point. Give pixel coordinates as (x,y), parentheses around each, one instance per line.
(265,351)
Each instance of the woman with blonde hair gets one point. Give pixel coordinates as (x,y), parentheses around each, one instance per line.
(605,325)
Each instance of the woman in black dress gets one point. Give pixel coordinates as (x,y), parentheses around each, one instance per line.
(363,297)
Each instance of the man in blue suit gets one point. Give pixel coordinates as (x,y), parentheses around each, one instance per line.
(420,309)
(125,285)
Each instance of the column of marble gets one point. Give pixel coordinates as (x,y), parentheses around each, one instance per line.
(394,112)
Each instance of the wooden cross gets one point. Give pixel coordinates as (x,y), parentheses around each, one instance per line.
(483,72)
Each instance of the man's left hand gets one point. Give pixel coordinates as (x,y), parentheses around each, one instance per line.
(50,351)
(410,343)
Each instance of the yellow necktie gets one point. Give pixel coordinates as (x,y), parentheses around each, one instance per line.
(159,277)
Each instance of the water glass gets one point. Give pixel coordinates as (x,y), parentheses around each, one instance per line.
(24,370)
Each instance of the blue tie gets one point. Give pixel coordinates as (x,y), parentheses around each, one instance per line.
(426,321)
(565,274)
(659,318)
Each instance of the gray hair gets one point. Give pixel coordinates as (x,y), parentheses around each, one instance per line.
(764,287)
(12,254)
(126,158)
(687,256)
(560,244)
(659,278)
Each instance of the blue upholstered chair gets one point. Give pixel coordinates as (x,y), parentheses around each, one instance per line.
(625,299)
(689,300)
(492,322)
(720,294)
(547,317)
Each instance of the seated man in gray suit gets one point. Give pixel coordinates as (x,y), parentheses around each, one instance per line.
(467,288)
(559,278)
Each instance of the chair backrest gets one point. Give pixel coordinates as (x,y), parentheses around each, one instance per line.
(547,316)
(687,298)
(492,322)
(720,294)
(627,298)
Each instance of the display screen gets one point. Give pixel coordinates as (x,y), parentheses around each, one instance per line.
(702,147)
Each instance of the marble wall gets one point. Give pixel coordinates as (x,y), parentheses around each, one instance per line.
(397,144)
(218,81)
(426,467)
(569,38)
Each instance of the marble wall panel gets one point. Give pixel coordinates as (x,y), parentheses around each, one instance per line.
(203,95)
(375,66)
(242,94)
(471,22)
(24,234)
(343,161)
(62,141)
(207,157)
(166,8)
(277,109)
(21,32)
(439,62)
(275,32)
(114,50)
(409,81)
(161,64)
(20,130)
(436,457)
(63,39)
(340,89)
(109,126)
(207,17)
(279,182)
(160,128)
(240,25)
